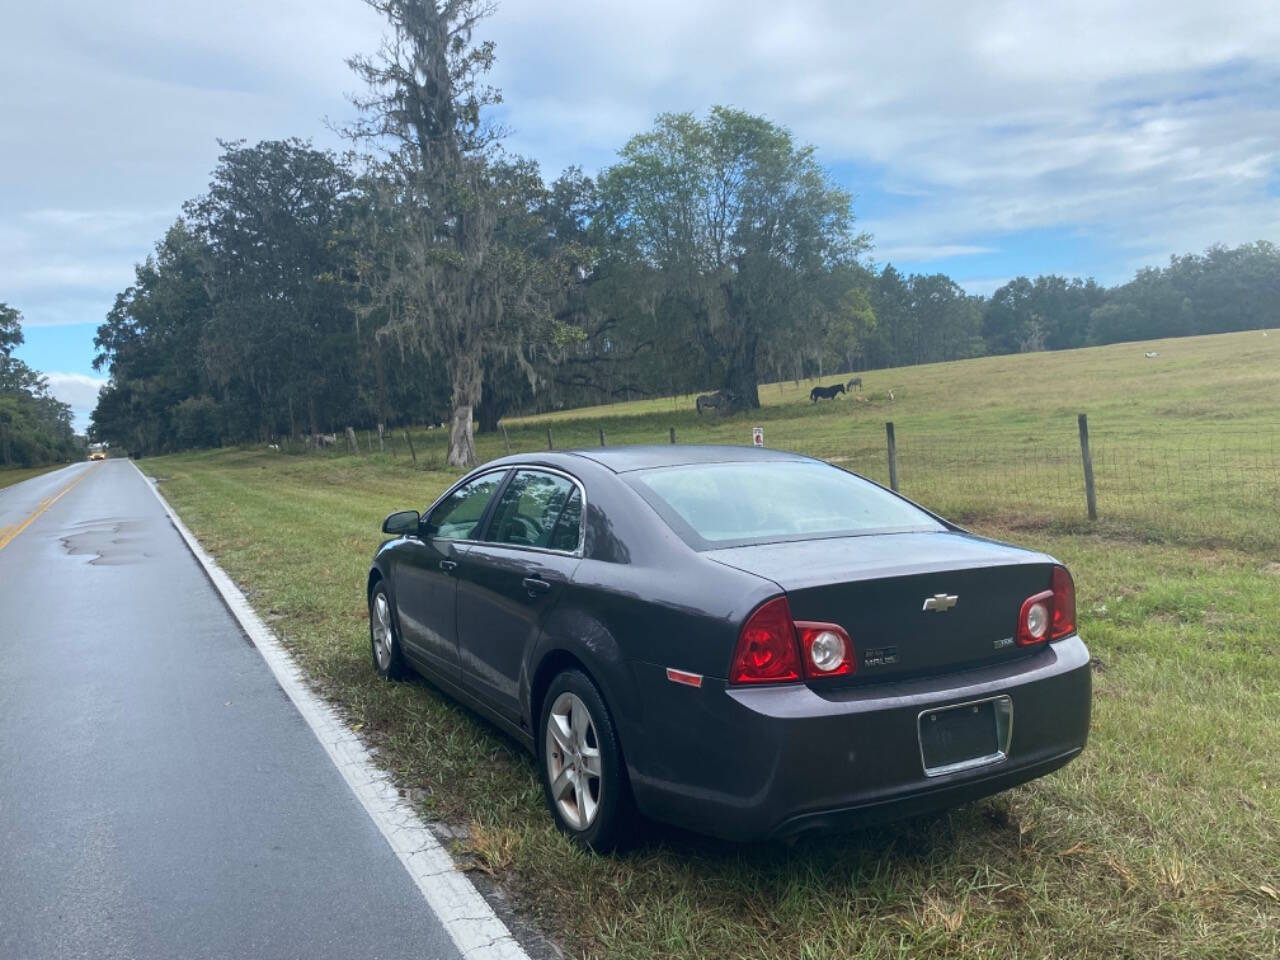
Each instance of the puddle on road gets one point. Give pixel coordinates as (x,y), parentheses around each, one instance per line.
(109,541)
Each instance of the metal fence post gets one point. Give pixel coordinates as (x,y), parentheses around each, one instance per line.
(673,434)
(1090,496)
(550,444)
(409,440)
(602,438)
(506,441)
(893,456)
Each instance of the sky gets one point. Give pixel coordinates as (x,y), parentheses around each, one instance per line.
(984,140)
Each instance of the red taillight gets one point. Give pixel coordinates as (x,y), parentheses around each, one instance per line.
(1064,604)
(1049,615)
(774,648)
(767,649)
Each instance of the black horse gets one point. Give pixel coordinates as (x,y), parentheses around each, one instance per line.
(825,393)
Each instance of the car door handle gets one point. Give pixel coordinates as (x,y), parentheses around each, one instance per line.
(535,586)
(448,565)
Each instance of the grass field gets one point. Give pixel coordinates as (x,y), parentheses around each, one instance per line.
(1186,446)
(11,475)
(1163,840)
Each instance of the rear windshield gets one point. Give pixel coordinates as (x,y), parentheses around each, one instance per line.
(726,504)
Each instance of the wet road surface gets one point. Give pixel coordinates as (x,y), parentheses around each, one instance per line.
(159,794)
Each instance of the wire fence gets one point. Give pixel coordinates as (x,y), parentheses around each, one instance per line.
(1222,488)
(1179,482)
(1213,487)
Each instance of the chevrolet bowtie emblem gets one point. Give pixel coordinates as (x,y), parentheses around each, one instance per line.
(941,602)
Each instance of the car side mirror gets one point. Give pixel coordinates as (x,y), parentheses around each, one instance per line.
(401,523)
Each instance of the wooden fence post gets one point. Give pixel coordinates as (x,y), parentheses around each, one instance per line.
(382,445)
(409,440)
(550,443)
(673,434)
(506,441)
(602,438)
(1090,496)
(893,456)
(353,445)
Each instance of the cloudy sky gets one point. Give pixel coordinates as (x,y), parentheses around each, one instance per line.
(986,140)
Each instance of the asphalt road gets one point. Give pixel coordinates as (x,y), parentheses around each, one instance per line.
(159,794)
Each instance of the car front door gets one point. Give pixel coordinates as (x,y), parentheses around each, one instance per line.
(509,580)
(426,576)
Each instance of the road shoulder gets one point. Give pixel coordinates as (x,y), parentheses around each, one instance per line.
(467,917)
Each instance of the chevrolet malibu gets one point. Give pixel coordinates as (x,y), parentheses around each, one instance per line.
(744,642)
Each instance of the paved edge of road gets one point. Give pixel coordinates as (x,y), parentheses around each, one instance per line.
(465,914)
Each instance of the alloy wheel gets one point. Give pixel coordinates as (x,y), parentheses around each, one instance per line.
(380,626)
(573,761)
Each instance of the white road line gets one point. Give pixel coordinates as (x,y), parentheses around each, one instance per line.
(476,930)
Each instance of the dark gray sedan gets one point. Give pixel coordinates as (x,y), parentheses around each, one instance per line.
(744,642)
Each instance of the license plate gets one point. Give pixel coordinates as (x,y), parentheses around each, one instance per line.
(968,735)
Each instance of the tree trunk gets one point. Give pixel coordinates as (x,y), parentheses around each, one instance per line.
(488,410)
(487,417)
(468,378)
(380,380)
(741,377)
(462,449)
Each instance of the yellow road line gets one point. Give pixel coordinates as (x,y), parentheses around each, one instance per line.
(7,537)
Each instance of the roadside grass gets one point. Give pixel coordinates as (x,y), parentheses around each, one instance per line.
(11,475)
(1162,840)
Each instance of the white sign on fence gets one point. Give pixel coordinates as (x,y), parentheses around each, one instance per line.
(757,436)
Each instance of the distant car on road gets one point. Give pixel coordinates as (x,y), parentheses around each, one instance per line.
(97,455)
(744,642)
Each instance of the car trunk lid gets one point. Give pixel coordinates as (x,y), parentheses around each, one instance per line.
(914,604)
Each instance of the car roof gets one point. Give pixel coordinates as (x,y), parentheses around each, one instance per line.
(625,459)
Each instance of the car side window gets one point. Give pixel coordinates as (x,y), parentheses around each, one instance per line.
(568,529)
(457,517)
(531,508)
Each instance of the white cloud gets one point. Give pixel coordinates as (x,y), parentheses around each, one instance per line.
(79,390)
(1154,124)
(924,251)
(983,286)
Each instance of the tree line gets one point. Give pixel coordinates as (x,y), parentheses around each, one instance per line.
(429,275)
(35,427)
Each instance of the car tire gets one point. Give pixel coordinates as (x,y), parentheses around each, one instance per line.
(584,778)
(384,640)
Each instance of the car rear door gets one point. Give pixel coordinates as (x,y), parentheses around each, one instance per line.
(509,580)
(426,574)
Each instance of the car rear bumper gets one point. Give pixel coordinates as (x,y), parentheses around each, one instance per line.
(744,763)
